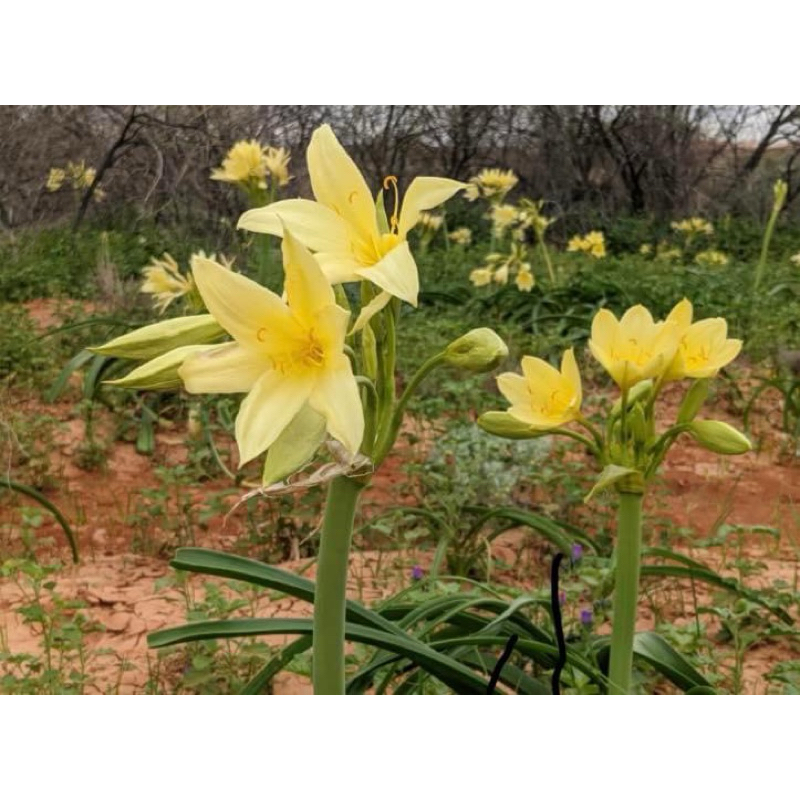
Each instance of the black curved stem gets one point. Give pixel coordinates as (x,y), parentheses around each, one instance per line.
(501,662)
(555,607)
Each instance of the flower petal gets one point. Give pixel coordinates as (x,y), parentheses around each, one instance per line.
(241,306)
(571,373)
(272,404)
(370,310)
(339,267)
(336,397)
(338,183)
(422,194)
(226,368)
(315,225)
(396,273)
(307,289)
(295,447)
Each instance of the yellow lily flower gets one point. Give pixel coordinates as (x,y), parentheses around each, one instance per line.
(288,356)
(163,280)
(341,226)
(634,347)
(543,397)
(704,346)
(245,161)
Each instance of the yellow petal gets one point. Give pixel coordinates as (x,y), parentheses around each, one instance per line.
(514,388)
(224,369)
(339,267)
(315,225)
(423,194)
(370,310)
(241,306)
(396,273)
(272,404)
(681,315)
(569,370)
(307,289)
(336,397)
(338,183)
(295,447)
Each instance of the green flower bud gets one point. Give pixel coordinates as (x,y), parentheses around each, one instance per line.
(779,192)
(502,424)
(693,401)
(369,353)
(638,424)
(480,350)
(719,437)
(158,339)
(160,373)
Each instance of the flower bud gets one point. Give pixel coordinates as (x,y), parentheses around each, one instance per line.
(480,350)
(160,373)
(779,192)
(638,424)
(719,437)
(501,423)
(693,401)
(162,337)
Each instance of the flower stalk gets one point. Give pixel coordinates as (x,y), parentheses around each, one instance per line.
(626,590)
(331,586)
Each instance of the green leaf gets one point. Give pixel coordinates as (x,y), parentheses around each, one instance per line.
(669,662)
(450,672)
(610,475)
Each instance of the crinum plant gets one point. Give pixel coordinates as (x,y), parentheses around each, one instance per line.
(641,356)
(313,377)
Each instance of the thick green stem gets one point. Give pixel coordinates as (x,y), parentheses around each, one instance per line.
(329,597)
(626,591)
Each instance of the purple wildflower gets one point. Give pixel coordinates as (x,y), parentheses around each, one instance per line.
(577,553)
(417,572)
(586,617)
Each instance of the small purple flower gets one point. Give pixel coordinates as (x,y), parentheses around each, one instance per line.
(577,553)
(417,572)
(562,598)
(586,617)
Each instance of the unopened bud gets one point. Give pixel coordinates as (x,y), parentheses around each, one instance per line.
(779,192)
(162,337)
(719,437)
(693,401)
(501,423)
(638,424)
(160,373)
(480,350)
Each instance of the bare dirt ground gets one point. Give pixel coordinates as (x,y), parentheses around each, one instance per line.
(697,493)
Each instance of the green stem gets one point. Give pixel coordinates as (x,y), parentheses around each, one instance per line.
(626,591)
(330,593)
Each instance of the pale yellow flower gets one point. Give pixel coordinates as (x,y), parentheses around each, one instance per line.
(634,347)
(276,160)
(795,259)
(543,397)
(55,179)
(163,280)
(430,221)
(481,276)
(245,162)
(524,280)
(502,216)
(704,347)
(593,244)
(287,356)
(646,249)
(491,184)
(462,236)
(501,275)
(341,226)
(88,176)
(693,225)
(711,258)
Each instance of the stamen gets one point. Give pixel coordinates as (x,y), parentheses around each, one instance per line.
(391,181)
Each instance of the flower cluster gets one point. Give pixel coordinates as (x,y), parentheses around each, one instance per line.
(693,226)
(711,258)
(460,236)
(250,164)
(641,356)
(491,184)
(592,244)
(77,175)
